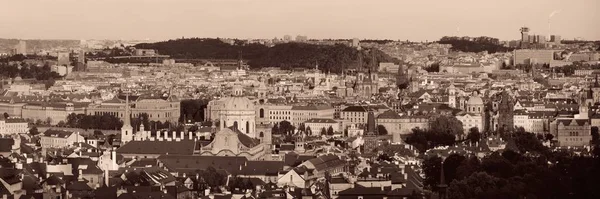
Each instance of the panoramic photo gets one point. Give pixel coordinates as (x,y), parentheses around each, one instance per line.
(299,99)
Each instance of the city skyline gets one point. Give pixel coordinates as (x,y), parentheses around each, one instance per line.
(266,19)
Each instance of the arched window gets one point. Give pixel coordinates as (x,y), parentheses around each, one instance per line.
(247,127)
(261,113)
(261,134)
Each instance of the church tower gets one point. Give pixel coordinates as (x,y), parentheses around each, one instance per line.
(370,138)
(452,96)
(127,129)
(583,106)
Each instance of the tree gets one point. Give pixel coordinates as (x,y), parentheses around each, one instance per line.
(330,131)
(323,131)
(308,131)
(468,167)
(301,128)
(61,124)
(482,185)
(381,129)
(474,136)
(98,133)
(528,142)
(38,122)
(48,121)
(424,139)
(549,137)
(286,127)
(451,165)
(34,131)
(275,130)
(432,168)
(6,115)
(447,125)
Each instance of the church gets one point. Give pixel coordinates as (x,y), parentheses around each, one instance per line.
(366,84)
(235,134)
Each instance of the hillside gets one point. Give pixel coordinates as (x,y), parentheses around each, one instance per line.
(288,55)
(6,45)
(478,44)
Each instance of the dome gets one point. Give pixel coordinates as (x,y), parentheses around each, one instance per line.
(475,100)
(238,104)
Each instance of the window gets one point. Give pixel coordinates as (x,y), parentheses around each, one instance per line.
(262,113)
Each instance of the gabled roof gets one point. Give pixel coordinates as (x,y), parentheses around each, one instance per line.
(57,133)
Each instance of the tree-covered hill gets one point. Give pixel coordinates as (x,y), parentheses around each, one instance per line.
(478,44)
(332,58)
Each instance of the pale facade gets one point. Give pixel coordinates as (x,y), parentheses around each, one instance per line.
(60,139)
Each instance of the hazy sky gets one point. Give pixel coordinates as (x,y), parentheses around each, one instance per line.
(415,20)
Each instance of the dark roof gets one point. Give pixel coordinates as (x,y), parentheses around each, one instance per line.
(389,114)
(245,139)
(57,133)
(262,168)
(189,163)
(355,109)
(79,186)
(144,195)
(106,192)
(320,120)
(183,147)
(6,145)
(311,107)
(567,122)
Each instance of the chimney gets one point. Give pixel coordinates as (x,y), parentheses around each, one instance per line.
(167,136)
(80,177)
(190,135)
(182,135)
(405,176)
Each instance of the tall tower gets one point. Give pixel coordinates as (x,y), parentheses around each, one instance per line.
(524,35)
(452,96)
(370,138)
(583,106)
(127,129)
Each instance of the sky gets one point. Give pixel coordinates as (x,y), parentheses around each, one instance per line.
(415,20)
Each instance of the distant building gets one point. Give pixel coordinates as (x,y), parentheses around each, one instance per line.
(64,59)
(316,124)
(555,39)
(388,67)
(301,38)
(529,56)
(287,38)
(21,48)
(355,43)
(145,52)
(13,126)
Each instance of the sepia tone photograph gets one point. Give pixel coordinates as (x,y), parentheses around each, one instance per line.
(299,99)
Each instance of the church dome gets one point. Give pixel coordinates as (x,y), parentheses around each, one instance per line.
(238,104)
(475,100)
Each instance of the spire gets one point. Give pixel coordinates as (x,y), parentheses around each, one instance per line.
(596,82)
(127,119)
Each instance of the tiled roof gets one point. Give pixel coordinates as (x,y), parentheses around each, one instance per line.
(389,114)
(183,147)
(189,163)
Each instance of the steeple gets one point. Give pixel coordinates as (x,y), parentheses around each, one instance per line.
(127,129)
(127,119)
